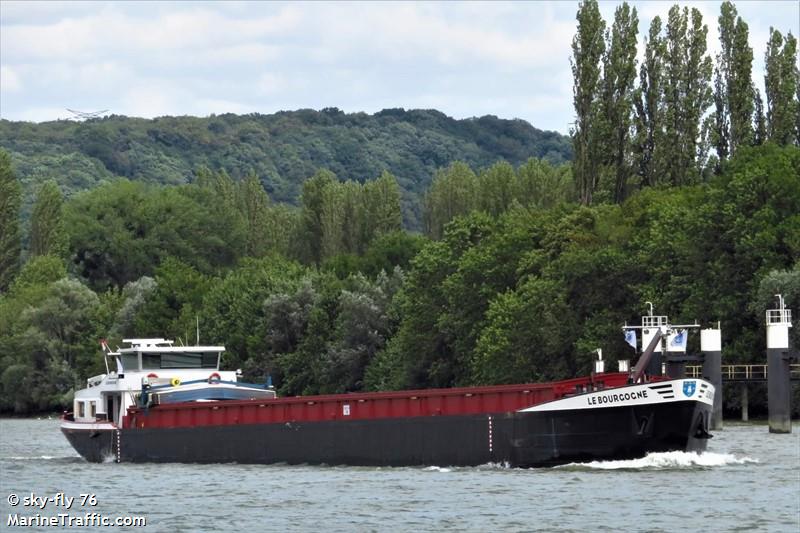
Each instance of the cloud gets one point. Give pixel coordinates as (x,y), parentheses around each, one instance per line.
(147,59)
(9,80)
(242,53)
(36,114)
(110,32)
(406,31)
(270,83)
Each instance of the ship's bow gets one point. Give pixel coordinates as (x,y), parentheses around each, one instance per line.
(622,423)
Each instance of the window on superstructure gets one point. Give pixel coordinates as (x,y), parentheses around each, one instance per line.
(179,360)
(81,409)
(92,409)
(130,361)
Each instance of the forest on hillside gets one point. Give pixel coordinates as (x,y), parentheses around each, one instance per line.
(521,268)
(334,296)
(282,149)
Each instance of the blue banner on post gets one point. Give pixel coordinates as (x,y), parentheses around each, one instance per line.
(630,338)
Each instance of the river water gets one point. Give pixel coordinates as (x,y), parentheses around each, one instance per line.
(749,480)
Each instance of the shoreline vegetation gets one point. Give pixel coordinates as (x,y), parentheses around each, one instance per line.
(486,253)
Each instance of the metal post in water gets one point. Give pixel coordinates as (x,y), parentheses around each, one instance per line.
(711,347)
(745,416)
(779,397)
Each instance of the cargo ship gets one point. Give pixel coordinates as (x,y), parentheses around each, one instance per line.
(167,403)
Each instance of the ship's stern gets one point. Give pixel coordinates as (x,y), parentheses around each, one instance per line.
(95,442)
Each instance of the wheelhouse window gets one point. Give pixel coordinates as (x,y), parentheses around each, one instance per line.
(81,409)
(92,409)
(130,361)
(151,361)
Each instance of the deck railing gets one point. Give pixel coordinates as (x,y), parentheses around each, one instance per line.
(742,372)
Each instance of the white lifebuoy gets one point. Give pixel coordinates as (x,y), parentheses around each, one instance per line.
(152,375)
(215,377)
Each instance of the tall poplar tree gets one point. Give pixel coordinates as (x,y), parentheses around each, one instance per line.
(687,94)
(720,121)
(619,75)
(780,82)
(733,88)
(47,226)
(496,188)
(452,193)
(10,199)
(254,204)
(588,47)
(312,200)
(760,121)
(648,120)
(741,99)
(382,210)
(332,217)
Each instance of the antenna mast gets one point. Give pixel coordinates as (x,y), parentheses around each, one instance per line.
(86,115)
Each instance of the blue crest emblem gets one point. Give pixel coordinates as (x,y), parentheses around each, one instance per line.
(688,388)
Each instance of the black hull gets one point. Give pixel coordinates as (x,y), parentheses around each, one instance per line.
(518,439)
(97,446)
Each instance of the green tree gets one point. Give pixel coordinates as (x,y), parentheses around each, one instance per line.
(233,310)
(282,223)
(717,125)
(48,332)
(336,210)
(134,296)
(649,116)
(173,307)
(525,337)
(122,231)
(760,130)
(10,198)
(542,185)
(360,332)
(382,212)
(287,315)
(254,204)
(451,193)
(588,47)
(63,321)
(390,250)
(312,202)
(733,87)
(619,75)
(496,188)
(687,94)
(39,270)
(780,82)
(48,236)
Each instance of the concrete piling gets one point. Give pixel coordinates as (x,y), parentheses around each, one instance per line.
(711,348)
(745,415)
(779,389)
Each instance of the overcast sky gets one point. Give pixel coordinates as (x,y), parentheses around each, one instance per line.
(467,59)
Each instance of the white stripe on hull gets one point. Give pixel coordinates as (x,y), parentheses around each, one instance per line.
(677,390)
(88,426)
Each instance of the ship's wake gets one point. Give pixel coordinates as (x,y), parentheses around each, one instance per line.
(63,459)
(666,461)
